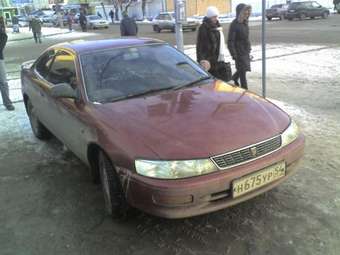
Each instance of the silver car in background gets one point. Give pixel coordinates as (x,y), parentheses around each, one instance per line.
(167,21)
(94,22)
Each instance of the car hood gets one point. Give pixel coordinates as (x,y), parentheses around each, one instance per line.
(196,122)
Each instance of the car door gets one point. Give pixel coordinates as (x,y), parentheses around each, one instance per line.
(161,21)
(168,21)
(317,9)
(38,86)
(310,12)
(69,118)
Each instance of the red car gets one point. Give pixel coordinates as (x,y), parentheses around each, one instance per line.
(155,129)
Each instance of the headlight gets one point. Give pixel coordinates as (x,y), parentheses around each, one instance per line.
(290,134)
(174,169)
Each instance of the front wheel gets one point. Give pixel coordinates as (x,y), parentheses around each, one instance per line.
(325,15)
(157,29)
(39,130)
(269,18)
(115,201)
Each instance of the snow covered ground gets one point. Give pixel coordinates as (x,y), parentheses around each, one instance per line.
(46,31)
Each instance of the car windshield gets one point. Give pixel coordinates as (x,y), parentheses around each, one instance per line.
(116,74)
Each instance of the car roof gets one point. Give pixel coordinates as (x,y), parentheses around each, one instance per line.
(88,46)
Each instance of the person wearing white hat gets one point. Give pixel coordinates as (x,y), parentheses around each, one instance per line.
(210,46)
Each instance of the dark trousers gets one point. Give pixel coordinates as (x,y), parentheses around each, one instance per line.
(242,76)
(83,27)
(37,37)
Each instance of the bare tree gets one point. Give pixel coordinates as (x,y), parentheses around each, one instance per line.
(123,5)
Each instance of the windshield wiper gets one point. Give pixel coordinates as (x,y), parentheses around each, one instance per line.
(140,94)
(192,83)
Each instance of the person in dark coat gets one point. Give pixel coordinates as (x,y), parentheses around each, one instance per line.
(239,44)
(83,21)
(128,26)
(111,14)
(35,25)
(3,77)
(15,24)
(210,42)
(70,21)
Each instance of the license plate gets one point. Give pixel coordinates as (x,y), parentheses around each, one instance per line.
(258,179)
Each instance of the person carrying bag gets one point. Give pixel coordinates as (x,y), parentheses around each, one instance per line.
(210,47)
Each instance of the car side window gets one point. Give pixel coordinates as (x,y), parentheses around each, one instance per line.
(44,63)
(167,17)
(308,5)
(63,69)
(161,17)
(316,5)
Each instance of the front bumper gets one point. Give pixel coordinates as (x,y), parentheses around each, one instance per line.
(203,194)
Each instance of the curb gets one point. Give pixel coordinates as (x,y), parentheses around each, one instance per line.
(43,36)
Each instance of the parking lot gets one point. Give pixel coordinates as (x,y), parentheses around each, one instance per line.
(50,206)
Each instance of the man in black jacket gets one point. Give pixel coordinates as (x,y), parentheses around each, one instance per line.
(3,78)
(210,43)
(83,21)
(128,26)
(239,44)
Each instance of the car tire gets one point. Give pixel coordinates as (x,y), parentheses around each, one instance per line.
(302,16)
(194,29)
(282,17)
(115,201)
(290,19)
(269,18)
(157,29)
(325,15)
(39,130)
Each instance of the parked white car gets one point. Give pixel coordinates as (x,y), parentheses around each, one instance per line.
(95,22)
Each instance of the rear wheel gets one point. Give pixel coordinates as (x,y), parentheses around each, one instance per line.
(269,18)
(115,201)
(194,29)
(39,130)
(325,15)
(302,16)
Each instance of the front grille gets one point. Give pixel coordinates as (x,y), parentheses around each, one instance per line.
(246,154)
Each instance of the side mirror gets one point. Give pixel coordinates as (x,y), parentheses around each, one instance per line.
(64,90)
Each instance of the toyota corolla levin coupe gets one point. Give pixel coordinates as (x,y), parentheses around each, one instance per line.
(158,132)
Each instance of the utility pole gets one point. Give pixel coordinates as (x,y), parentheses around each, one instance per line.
(264,48)
(180,18)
